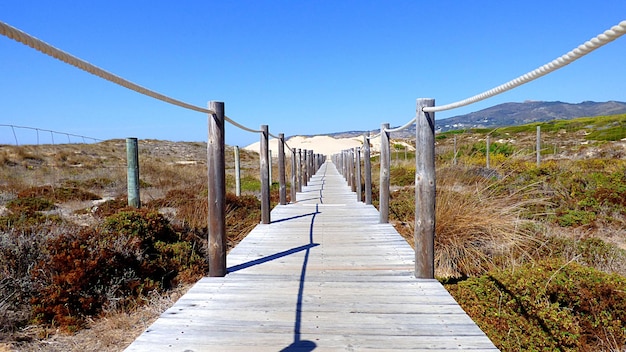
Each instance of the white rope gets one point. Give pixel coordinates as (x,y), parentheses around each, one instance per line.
(374,136)
(403,127)
(236,124)
(582,50)
(41,46)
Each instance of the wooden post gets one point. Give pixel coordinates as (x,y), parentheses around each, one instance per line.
(269,162)
(487,151)
(265,176)
(425,191)
(310,165)
(454,161)
(385,161)
(294,176)
(538,146)
(367,164)
(132,174)
(305,171)
(282,187)
(352,170)
(237,172)
(299,170)
(216,166)
(357,151)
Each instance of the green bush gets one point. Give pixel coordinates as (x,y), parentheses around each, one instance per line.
(84,272)
(548,306)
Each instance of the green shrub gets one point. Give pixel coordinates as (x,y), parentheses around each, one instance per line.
(547,306)
(84,272)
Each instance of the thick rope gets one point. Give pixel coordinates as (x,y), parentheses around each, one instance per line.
(43,47)
(403,127)
(582,50)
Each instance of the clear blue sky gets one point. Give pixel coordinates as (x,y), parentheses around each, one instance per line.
(302,67)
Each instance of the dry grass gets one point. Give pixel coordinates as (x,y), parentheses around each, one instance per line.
(112,332)
(481,224)
(173,180)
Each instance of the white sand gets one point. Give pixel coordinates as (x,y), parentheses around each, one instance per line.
(319,144)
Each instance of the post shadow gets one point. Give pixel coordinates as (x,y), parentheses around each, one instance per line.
(298,344)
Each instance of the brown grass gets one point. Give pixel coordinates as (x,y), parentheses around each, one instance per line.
(66,179)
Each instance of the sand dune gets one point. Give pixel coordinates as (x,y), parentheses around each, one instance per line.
(320,144)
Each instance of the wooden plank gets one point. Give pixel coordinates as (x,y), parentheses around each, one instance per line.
(324,275)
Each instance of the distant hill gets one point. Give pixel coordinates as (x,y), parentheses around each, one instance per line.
(513,114)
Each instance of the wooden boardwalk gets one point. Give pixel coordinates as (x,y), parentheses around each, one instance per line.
(323,276)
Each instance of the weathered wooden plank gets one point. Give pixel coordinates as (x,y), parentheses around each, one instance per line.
(324,275)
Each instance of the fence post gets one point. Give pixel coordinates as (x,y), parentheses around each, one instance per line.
(425,191)
(269,162)
(299,170)
(367,163)
(357,151)
(385,161)
(310,165)
(352,154)
(132,175)
(237,172)
(305,168)
(294,176)
(487,151)
(216,166)
(538,146)
(454,162)
(265,180)
(282,188)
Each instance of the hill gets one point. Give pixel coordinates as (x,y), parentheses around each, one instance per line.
(513,114)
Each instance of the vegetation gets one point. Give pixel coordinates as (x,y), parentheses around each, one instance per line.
(534,254)
(71,250)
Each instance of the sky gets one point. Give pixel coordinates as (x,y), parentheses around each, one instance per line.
(301,67)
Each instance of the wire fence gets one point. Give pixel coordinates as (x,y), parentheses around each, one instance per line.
(25,135)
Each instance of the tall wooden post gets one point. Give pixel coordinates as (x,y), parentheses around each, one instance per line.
(269,162)
(216,166)
(265,176)
(367,164)
(425,191)
(352,170)
(538,146)
(487,152)
(282,190)
(294,176)
(385,161)
(299,171)
(132,174)
(237,172)
(454,161)
(305,171)
(310,165)
(357,152)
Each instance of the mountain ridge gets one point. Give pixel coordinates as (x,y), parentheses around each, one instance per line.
(513,114)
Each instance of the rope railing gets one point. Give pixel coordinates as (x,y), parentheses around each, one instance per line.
(45,48)
(582,50)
